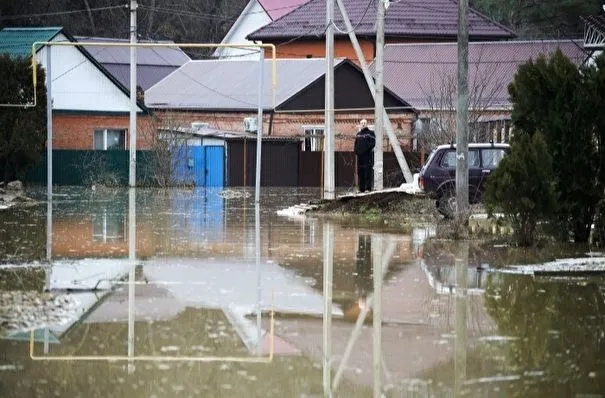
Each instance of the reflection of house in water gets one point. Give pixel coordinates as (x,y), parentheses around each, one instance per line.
(97,227)
(418,332)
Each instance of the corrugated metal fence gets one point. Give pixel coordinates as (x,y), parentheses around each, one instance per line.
(71,167)
(283,164)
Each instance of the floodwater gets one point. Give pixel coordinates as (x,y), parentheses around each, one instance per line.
(154,293)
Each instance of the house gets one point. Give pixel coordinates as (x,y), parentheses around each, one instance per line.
(90,105)
(224,93)
(425,75)
(301,33)
(153,63)
(207,157)
(255,15)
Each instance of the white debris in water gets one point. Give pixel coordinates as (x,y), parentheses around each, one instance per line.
(296,211)
(27,310)
(34,264)
(169,348)
(498,338)
(232,194)
(10,367)
(568,265)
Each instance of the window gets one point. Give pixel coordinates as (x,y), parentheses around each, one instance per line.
(107,139)
(314,138)
(492,157)
(109,227)
(449,159)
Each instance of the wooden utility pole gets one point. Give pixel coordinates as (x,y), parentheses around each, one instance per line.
(329,105)
(462,117)
(379,97)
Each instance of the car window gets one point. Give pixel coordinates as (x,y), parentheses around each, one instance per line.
(449,159)
(491,157)
(430,159)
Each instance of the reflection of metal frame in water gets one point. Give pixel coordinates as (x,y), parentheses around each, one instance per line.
(158,358)
(130,357)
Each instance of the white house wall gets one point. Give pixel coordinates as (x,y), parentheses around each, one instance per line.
(78,85)
(213,142)
(252,18)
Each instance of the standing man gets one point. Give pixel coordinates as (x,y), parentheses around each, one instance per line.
(364,149)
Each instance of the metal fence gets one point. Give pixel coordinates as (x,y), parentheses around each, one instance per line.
(283,164)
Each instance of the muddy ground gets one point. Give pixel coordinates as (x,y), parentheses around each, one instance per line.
(384,203)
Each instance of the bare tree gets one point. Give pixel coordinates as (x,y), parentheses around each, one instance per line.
(169,143)
(486,82)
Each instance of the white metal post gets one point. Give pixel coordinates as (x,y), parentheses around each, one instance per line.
(259,288)
(328,266)
(132,173)
(49,155)
(329,105)
(132,227)
(259,123)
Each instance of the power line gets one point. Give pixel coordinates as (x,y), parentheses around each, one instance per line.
(344,32)
(56,13)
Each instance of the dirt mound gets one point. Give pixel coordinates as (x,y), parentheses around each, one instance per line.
(379,203)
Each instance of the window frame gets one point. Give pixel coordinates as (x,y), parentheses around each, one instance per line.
(105,133)
(315,140)
(477,164)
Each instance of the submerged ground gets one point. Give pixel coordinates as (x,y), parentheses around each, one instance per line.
(200,293)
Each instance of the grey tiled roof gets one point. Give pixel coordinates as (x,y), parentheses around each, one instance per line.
(406,19)
(172,56)
(418,72)
(153,63)
(232,85)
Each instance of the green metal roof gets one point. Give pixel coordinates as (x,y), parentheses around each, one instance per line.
(17,42)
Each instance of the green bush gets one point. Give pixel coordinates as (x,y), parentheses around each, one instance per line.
(552,96)
(522,187)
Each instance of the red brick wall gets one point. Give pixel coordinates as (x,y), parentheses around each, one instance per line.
(305,48)
(291,125)
(77,131)
(317,49)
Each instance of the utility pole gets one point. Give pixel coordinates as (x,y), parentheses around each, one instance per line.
(379,97)
(329,105)
(132,173)
(370,82)
(461,213)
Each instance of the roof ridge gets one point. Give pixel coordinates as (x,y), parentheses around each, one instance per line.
(34,28)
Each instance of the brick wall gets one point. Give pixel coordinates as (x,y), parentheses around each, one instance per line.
(77,131)
(291,125)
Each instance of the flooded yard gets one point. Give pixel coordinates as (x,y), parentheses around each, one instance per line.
(161,293)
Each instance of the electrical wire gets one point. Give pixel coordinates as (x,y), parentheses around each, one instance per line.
(58,13)
(344,32)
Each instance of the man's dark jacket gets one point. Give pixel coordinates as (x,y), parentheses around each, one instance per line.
(364,146)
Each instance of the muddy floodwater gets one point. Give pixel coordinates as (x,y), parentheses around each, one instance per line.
(166,293)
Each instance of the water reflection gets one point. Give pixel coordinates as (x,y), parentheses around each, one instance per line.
(181,283)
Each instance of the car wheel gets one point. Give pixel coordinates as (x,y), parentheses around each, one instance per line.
(446,204)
